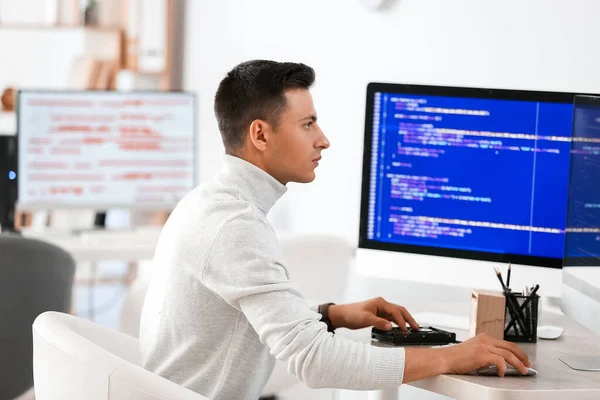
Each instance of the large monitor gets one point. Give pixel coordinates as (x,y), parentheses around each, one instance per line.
(105,149)
(466,173)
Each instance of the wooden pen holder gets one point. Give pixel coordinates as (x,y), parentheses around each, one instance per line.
(487,313)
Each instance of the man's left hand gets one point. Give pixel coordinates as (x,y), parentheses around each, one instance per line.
(375,312)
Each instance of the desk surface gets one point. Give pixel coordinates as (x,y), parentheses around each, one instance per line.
(555,380)
(104,245)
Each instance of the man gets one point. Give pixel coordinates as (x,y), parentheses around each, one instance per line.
(221,306)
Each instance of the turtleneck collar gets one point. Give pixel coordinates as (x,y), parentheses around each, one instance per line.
(255,185)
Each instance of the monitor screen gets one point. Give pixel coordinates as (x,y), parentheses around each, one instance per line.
(464,172)
(105,149)
(582,244)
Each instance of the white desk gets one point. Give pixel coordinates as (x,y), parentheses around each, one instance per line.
(555,380)
(93,246)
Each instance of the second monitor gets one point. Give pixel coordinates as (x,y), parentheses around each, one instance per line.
(105,149)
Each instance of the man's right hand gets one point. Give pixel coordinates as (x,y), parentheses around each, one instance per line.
(482,351)
(463,358)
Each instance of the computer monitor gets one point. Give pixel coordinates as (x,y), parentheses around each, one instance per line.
(101,150)
(581,272)
(8,181)
(464,174)
(582,244)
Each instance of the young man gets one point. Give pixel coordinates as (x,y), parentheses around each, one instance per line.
(221,306)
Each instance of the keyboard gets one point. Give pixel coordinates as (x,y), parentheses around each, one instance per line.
(442,320)
(424,336)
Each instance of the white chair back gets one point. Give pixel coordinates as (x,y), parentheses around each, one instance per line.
(77,359)
(319,265)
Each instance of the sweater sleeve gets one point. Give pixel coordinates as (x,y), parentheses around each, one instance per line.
(245,269)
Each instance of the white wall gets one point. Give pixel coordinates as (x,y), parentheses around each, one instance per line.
(524,44)
(39,58)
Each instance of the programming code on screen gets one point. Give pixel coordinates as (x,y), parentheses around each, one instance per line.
(471,174)
(119,149)
(583,216)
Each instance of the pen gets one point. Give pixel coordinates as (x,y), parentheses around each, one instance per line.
(513,305)
(533,292)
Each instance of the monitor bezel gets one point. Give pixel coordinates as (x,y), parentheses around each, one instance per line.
(449,91)
(32,206)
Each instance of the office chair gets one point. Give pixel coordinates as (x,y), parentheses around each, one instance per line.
(35,277)
(74,358)
(131,310)
(319,265)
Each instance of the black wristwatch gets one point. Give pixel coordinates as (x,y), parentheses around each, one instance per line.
(324,311)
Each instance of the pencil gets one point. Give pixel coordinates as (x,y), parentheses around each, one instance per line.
(499,275)
(513,305)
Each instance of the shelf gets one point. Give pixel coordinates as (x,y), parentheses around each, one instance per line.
(46,65)
(35,27)
(8,123)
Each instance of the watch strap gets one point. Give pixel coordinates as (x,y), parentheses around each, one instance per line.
(324,311)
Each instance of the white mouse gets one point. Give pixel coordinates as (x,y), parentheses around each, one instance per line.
(492,370)
(549,332)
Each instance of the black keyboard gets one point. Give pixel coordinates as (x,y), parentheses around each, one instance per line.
(425,336)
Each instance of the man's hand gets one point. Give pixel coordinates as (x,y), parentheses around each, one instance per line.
(463,358)
(375,312)
(482,351)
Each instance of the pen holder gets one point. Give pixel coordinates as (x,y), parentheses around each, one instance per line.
(521,318)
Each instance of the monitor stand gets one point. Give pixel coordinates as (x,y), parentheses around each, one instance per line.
(99,224)
(582,363)
(100,219)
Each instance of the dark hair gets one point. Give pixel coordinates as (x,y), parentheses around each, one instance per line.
(256,90)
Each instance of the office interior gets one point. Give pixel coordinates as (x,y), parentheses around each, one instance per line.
(427,230)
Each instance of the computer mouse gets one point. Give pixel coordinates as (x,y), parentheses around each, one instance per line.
(549,332)
(492,370)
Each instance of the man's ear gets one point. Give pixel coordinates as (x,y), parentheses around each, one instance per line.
(260,132)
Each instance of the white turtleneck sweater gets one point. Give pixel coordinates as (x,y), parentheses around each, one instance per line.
(222,306)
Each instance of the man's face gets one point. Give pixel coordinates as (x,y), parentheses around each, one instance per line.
(295,149)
